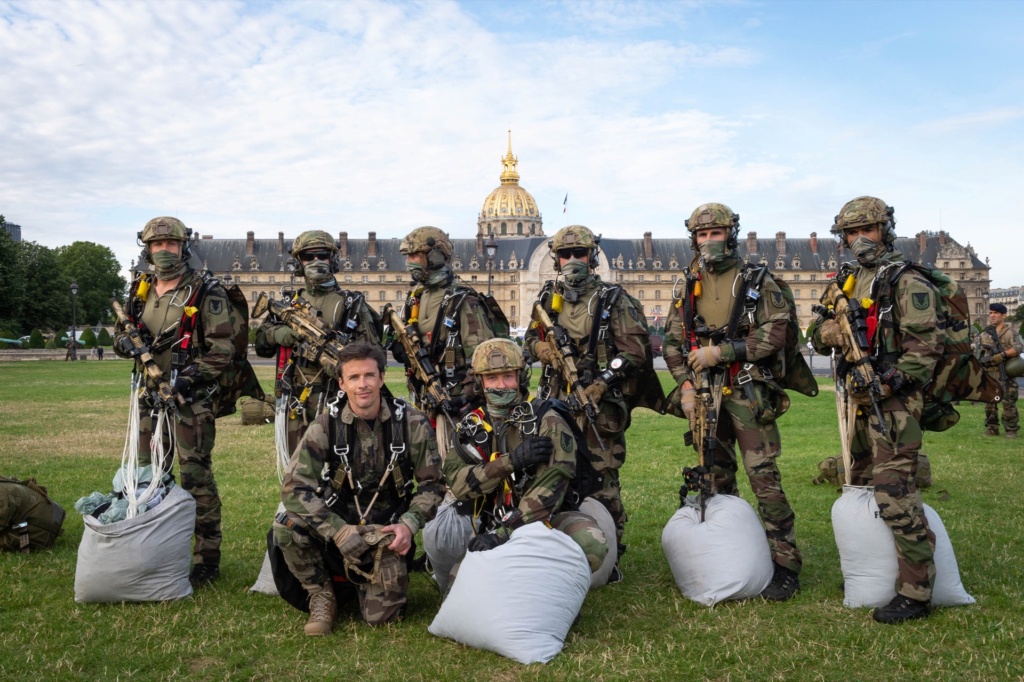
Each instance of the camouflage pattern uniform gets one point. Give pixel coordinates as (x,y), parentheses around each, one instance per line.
(887,456)
(334,306)
(629,334)
(208,363)
(749,410)
(1007,338)
(307,528)
(426,303)
(492,492)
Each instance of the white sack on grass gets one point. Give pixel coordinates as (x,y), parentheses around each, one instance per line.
(519,599)
(726,557)
(265,580)
(606,523)
(867,553)
(146,558)
(444,540)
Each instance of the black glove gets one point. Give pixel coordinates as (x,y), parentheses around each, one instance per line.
(398,350)
(533,450)
(183,387)
(125,348)
(486,541)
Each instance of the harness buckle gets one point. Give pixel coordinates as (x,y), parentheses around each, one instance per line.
(743,376)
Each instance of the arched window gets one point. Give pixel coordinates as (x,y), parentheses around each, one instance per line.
(519,229)
(504,229)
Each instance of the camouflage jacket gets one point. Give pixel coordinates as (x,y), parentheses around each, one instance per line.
(627,330)
(305,492)
(537,494)
(760,340)
(1008,338)
(907,336)
(213,344)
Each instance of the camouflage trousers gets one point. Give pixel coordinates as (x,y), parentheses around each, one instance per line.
(888,460)
(606,463)
(585,532)
(1011,421)
(759,446)
(194,432)
(380,602)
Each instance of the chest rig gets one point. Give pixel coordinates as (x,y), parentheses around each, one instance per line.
(443,347)
(599,344)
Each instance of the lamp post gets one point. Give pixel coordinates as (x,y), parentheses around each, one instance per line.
(74,320)
(490,248)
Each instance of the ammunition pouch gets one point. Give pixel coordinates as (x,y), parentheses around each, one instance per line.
(376,565)
(613,416)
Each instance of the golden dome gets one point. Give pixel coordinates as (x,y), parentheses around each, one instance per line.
(510,211)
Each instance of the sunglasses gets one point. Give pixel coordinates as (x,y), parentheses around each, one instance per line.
(318,254)
(577,252)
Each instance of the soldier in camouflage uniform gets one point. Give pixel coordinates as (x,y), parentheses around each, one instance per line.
(197,363)
(450,318)
(612,350)
(751,400)
(998,343)
(514,462)
(905,348)
(346,312)
(349,490)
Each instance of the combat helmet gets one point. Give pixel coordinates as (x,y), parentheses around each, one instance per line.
(575,236)
(164,228)
(711,215)
(313,239)
(497,356)
(864,212)
(432,241)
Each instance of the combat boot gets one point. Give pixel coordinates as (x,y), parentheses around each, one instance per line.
(203,574)
(1011,434)
(900,609)
(992,432)
(783,586)
(322,609)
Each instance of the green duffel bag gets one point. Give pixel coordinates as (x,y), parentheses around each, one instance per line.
(1015,367)
(29,519)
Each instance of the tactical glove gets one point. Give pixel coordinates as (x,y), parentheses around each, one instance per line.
(183,386)
(704,358)
(285,336)
(546,351)
(688,402)
(532,451)
(831,334)
(486,541)
(398,351)
(996,359)
(350,543)
(596,390)
(124,347)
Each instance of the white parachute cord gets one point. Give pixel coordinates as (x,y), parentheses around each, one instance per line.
(281,435)
(130,453)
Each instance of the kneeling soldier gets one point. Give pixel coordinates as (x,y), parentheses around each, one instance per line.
(349,490)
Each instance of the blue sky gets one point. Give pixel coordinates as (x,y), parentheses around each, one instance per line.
(364,116)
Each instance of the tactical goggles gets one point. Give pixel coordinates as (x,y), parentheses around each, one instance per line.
(315,254)
(575,252)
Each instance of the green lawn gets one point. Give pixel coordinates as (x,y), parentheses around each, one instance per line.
(64,424)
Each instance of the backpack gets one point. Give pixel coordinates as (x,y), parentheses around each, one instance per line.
(27,502)
(587,480)
(958,375)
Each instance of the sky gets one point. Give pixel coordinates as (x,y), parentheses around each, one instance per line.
(384,116)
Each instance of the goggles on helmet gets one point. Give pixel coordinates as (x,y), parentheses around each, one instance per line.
(577,252)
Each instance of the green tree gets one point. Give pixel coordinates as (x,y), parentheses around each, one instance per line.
(47,304)
(103,338)
(1018,315)
(50,344)
(88,338)
(36,339)
(96,270)
(12,281)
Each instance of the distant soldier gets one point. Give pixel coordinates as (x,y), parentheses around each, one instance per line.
(608,332)
(307,384)
(364,479)
(711,329)
(999,342)
(905,343)
(198,339)
(514,462)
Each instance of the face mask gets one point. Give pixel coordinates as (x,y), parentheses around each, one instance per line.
(417,272)
(715,252)
(500,400)
(575,272)
(439,278)
(865,250)
(318,272)
(167,265)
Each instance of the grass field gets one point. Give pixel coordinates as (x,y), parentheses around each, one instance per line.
(64,424)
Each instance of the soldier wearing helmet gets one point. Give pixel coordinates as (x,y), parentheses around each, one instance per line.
(194,334)
(450,318)
(717,334)
(900,307)
(307,385)
(608,332)
(512,462)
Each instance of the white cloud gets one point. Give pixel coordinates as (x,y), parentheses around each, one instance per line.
(972,121)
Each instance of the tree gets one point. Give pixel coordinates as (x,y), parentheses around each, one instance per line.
(12,281)
(103,338)
(88,338)
(36,339)
(47,301)
(96,269)
(1018,315)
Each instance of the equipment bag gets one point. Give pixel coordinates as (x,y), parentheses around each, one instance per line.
(445,538)
(867,553)
(518,599)
(788,366)
(725,557)
(26,502)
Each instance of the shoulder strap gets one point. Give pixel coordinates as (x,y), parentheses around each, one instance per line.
(606,300)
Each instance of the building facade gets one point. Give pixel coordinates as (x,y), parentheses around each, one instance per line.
(1011,297)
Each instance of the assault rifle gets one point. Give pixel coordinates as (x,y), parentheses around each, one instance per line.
(701,479)
(989,350)
(422,369)
(320,342)
(164,394)
(853,323)
(565,365)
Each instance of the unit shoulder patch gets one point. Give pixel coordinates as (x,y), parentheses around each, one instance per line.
(921,300)
(567,442)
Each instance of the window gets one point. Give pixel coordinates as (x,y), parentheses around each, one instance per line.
(366,278)
(472,278)
(640,278)
(271,279)
(519,228)
(945,265)
(814,293)
(512,294)
(383,278)
(814,278)
(961,267)
(254,279)
(383,296)
(796,293)
(641,296)
(961,276)
(348,278)
(398,294)
(657,294)
(796,278)
(512,310)
(513,278)
(657,278)
(504,229)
